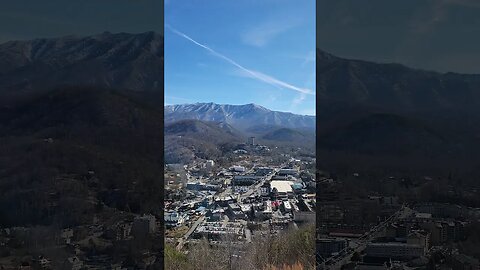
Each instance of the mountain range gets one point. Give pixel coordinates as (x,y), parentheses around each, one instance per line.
(388,117)
(243,117)
(119,61)
(394,86)
(187,139)
(364,109)
(211,127)
(80,118)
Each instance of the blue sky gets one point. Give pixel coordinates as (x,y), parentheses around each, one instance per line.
(439,35)
(239,52)
(30,19)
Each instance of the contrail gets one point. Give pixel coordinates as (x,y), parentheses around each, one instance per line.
(255,74)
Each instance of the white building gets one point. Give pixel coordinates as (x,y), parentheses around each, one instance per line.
(209,164)
(174,219)
(287,207)
(267,213)
(236,168)
(284,188)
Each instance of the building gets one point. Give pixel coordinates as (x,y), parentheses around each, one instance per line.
(280,222)
(215,215)
(209,164)
(235,212)
(278,177)
(438,232)
(287,172)
(283,189)
(262,148)
(67,235)
(202,186)
(240,189)
(327,247)
(389,200)
(419,237)
(394,250)
(298,187)
(72,263)
(193,186)
(286,207)
(251,141)
(240,151)
(265,189)
(144,225)
(236,168)
(370,266)
(304,216)
(442,210)
(176,167)
(245,180)
(423,216)
(224,201)
(42,263)
(464,262)
(174,219)
(218,230)
(263,171)
(396,230)
(327,193)
(331,213)
(267,212)
(123,231)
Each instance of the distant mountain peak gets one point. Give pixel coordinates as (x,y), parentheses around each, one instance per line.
(256,106)
(239,116)
(393,86)
(323,55)
(113,60)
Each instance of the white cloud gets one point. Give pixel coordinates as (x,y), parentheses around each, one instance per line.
(202,65)
(251,73)
(262,34)
(176,100)
(310,57)
(311,112)
(299,99)
(467,3)
(440,12)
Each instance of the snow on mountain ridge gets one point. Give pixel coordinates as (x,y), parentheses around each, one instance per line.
(240,116)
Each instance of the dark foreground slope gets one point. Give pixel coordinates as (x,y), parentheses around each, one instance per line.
(293,249)
(187,139)
(67,152)
(81,148)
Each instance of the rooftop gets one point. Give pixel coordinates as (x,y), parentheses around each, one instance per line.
(282,186)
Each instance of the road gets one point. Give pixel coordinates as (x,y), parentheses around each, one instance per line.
(335,263)
(182,240)
(248,235)
(254,188)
